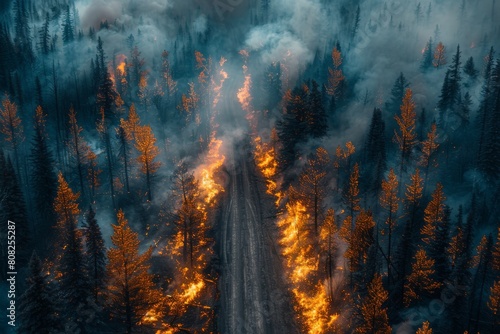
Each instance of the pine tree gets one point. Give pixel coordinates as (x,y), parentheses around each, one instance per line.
(434,214)
(316,118)
(439,56)
(43,181)
(313,184)
(429,150)
(360,241)
(483,116)
(427,56)
(95,255)
(413,195)
(190,224)
(389,201)
(124,154)
(351,193)
(425,329)
(336,78)
(494,302)
(132,124)
(72,277)
(373,317)
(130,285)
(406,137)
(470,69)
(145,144)
(397,94)
(420,282)
(483,261)
(102,128)
(328,244)
(11,128)
(68,34)
(489,156)
(23,33)
(376,158)
(78,149)
(37,312)
(44,36)
(13,208)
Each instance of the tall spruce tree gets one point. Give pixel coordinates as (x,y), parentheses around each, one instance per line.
(37,312)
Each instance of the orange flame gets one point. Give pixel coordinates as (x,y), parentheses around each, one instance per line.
(206,172)
(121,67)
(311,298)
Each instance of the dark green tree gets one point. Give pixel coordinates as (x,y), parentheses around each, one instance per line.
(95,255)
(316,118)
(44,183)
(37,312)
(375,153)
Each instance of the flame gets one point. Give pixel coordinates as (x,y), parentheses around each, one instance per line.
(206,172)
(311,301)
(265,158)
(244,93)
(121,67)
(217,87)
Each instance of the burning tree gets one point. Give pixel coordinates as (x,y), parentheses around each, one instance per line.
(131,291)
(313,184)
(420,281)
(145,144)
(406,137)
(11,128)
(373,315)
(336,78)
(389,200)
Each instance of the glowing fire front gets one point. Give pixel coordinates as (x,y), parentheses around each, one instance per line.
(206,172)
(312,304)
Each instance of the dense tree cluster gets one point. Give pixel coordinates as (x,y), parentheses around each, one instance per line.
(381,202)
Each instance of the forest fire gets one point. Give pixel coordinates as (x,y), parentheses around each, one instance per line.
(311,299)
(121,67)
(206,172)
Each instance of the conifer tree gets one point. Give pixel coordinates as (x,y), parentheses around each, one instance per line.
(420,282)
(316,118)
(37,312)
(74,293)
(427,56)
(11,128)
(351,193)
(43,180)
(44,36)
(145,144)
(130,286)
(434,214)
(397,94)
(68,33)
(95,255)
(360,241)
(470,69)
(483,261)
(494,302)
(413,195)
(425,329)
(375,152)
(406,136)
(313,184)
(336,78)
(429,150)
(439,56)
(389,201)
(374,318)
(13,208)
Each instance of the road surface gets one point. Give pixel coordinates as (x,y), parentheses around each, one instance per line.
(253,295)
